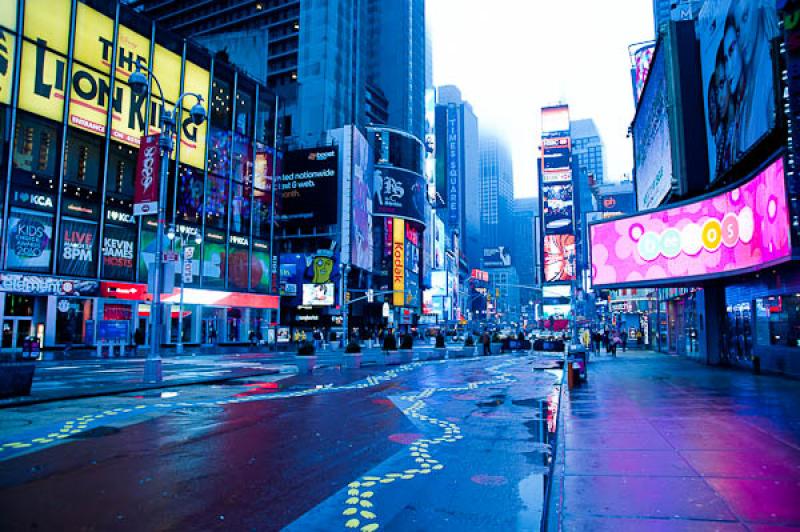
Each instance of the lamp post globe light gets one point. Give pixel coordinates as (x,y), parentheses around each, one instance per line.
(140,85)
(184,238)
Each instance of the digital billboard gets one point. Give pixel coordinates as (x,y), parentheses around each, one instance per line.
(652,147)
(496,257)
(559,258)
(30,242)
(399,194)
(318,294)
(555,153)
(641,58)
(738,82)
(309,187)
(361,227)
(743,228)
(555,121)
(558,207)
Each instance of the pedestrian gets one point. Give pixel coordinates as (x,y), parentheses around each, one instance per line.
(607,341)
(487,344)
(639,338)
(252,337)
(624,337)
(212,335)
(614,342)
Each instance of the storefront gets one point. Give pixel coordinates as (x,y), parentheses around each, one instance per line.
(67,175)
(55,310)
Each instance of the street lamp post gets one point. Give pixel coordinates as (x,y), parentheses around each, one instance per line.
(183,238)
(140,85)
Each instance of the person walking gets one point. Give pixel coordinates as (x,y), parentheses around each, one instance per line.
(624,337)
(487,344)
(607,341)
(613,343)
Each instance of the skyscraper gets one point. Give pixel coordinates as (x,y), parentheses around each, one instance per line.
(666,10)
(458,172)
(525,246)
(497,193)
(396,61)
(332,63)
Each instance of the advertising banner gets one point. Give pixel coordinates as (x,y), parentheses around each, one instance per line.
(148,164)
(399,194)
(309,187)
(438,244)
(556,176)
(453,165)
(496,257)
(30,242)
(641,58)
(41,285)
(559,258)
(361,227)
(555,154)
(77,248)
(398,262)
(738,81)
(741,229)
(261,274)
(558,208)
(652,146)
(555,121)
(7,44)
(318,294)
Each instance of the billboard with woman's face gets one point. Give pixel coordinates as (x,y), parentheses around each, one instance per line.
(739,86)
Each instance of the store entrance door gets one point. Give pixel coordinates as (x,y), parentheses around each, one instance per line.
(209,331)
(14,332)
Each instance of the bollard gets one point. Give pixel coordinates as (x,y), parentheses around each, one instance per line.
(99,348)
(570,376)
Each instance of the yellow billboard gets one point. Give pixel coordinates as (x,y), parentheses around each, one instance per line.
(94,48)
(7,41)
(43,76)
(42,81)
(48,20)
(398,261)
(8,14)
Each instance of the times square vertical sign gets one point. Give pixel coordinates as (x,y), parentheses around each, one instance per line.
(453,165)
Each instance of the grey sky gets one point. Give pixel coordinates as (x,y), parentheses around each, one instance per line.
(510,57)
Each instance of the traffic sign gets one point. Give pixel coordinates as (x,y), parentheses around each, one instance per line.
(187,272)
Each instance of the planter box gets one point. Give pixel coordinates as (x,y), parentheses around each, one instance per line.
(305,364)
(438,353)
(406,356)
(352,360)
(457,352)
(16,379)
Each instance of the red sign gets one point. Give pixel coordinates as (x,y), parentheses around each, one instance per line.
(148,164)
(128,291)
(480,275)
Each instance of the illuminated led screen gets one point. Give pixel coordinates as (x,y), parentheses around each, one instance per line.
(742,228)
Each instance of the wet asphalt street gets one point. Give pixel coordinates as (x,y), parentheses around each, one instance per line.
(440,445)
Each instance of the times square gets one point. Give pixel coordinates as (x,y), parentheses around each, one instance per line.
(402,265)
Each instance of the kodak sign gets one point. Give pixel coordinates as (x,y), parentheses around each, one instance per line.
(398,262)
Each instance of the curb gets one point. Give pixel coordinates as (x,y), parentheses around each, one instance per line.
(128,389)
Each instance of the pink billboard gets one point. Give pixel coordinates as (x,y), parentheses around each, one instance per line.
(742,228)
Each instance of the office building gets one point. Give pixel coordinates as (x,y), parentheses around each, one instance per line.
(525,247)
(334,63)
(458,173)
(497,193)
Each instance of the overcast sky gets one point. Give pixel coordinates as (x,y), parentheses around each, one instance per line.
(511,57)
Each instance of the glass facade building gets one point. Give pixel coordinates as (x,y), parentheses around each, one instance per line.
(73,254)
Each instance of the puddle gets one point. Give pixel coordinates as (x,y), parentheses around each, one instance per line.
(97,432)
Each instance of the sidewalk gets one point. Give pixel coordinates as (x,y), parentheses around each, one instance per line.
(654,442)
